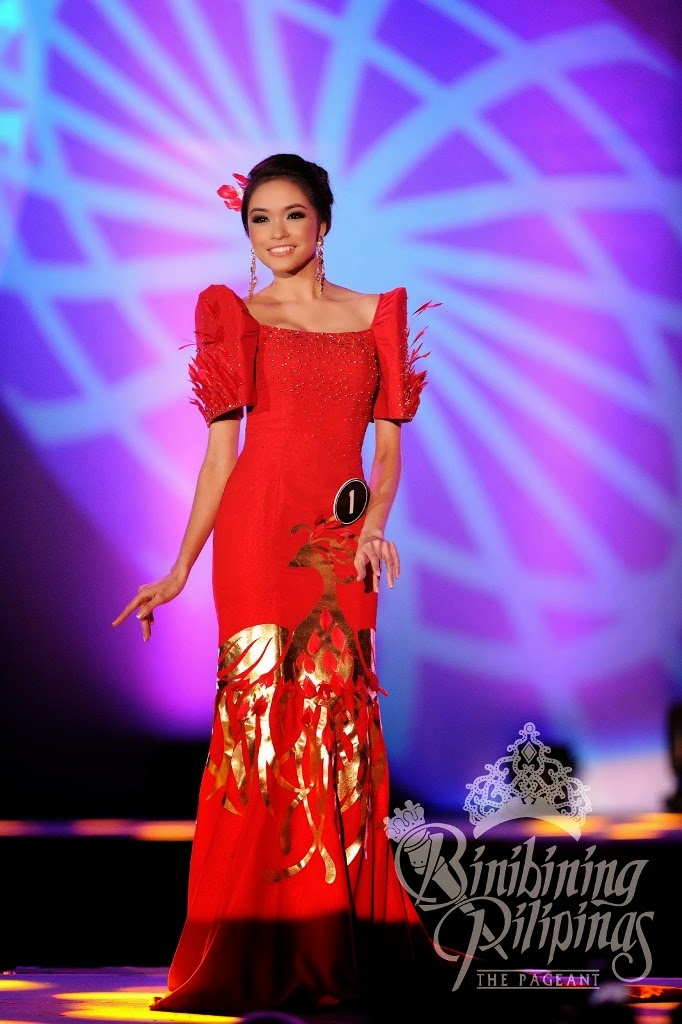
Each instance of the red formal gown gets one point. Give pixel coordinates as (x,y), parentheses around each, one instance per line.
(294,900)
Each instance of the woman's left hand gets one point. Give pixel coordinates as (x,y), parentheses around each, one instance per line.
(372,548)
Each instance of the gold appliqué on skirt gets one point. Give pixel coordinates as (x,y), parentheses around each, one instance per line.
(305,707)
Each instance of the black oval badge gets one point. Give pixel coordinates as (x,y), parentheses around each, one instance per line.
(351,500)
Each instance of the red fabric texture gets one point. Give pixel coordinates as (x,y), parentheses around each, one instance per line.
(294,900)
(223,371)
(400,385)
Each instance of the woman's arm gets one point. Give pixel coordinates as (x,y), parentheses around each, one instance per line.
(219,461)
(383,486)
(221,456)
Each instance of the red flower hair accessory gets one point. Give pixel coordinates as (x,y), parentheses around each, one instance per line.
(233,196)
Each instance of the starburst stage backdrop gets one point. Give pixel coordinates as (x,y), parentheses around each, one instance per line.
(520,163)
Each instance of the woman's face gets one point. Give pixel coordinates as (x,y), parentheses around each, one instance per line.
(283,226)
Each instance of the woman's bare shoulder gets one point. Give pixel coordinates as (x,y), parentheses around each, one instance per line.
(364,302)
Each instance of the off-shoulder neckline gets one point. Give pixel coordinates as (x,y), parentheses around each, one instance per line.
(300,330)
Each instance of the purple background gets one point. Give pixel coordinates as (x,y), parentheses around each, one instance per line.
(519,163)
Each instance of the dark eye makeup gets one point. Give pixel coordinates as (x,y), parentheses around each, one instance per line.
(259,218)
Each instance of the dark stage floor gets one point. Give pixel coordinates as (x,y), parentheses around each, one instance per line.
(123,994)
(92,910)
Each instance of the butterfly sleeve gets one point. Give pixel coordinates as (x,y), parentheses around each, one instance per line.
(400,385)
(222,372)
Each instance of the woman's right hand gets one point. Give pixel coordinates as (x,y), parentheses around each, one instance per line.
(149,596)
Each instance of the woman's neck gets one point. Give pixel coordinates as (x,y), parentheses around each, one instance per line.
(298,290)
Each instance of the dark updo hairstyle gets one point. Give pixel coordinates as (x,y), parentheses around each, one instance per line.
(312,179)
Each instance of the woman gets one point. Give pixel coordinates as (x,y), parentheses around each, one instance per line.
(293,891)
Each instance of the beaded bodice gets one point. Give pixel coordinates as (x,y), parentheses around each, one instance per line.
(338,381)
(317,388)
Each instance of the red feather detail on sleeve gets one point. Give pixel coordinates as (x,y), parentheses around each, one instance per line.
(415,382)
(401,382)
(216,389)
(222,371)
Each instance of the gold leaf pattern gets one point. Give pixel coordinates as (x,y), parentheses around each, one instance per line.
(320,678)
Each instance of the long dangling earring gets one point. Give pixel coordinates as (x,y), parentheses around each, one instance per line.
(254,279)
(319,270)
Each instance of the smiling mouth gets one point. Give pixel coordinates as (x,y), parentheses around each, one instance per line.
(281,250)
